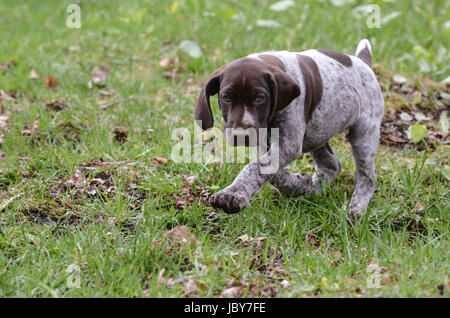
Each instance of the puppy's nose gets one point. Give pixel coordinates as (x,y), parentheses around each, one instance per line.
(242,137)
(241,140)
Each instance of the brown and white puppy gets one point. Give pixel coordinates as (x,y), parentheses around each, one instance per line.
(309,96)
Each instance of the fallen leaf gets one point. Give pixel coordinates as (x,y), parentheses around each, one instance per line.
(56,105)
(98,76)
(190,287)
(76,180)
(98,218)
(4,119)
(33,75)
(189,181)
(159,161)
(419,206)
(167,62)
(396,139)
(446,81)
(120,135)
(8,65)
(236,291)
(405,116)
(5,97)
(418,132)
(421,117)
(180,234)
(285,283)
(33,131)
(51,82)
(399,79)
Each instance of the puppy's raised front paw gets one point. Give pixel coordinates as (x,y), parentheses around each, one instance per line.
(229,202)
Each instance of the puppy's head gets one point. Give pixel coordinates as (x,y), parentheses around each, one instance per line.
(250,92)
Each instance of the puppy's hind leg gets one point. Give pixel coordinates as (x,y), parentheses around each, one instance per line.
(364,139)
(328,167)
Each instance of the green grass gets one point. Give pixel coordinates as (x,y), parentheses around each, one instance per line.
(117,239)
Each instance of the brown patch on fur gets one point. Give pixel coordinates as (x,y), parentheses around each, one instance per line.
(344,59)
(365,56)
(313,84)
(272,60)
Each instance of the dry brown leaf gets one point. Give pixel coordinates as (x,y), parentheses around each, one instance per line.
(33,131)
(56,105)
(5,97)
(189,181)
(51,82)
(285,283)
(190,287)
(396,139)
(120,135)
(98,76)
(98,218)
(180,234)
(159,161)
(236,291)
(248,239)
(76,180)
(167,62)
(8,65)
(419,206)
(4,119)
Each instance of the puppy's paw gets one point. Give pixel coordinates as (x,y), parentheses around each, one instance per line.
(229,202)
(356,211)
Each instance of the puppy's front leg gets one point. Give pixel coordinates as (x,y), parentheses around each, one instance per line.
(250,180)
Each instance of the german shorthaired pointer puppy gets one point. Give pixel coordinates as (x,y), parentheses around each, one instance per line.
(310,97)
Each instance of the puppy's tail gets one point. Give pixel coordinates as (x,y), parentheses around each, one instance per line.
(364,52)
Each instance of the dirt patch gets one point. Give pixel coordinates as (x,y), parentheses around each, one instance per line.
(95,179)
(191,192)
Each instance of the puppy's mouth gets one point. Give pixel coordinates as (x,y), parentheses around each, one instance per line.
(241,137)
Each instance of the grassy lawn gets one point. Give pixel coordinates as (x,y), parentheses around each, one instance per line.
(90,207)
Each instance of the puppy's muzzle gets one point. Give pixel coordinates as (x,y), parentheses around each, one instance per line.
(241,137)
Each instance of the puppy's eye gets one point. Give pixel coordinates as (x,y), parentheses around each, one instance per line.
(260,98)
(226,98)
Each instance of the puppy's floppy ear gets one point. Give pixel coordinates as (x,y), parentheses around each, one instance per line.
(283,89)
(203,108)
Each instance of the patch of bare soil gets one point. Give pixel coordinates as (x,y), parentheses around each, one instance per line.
(95,179)
(190,194)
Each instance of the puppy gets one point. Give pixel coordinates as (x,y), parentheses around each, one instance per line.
(309,97)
